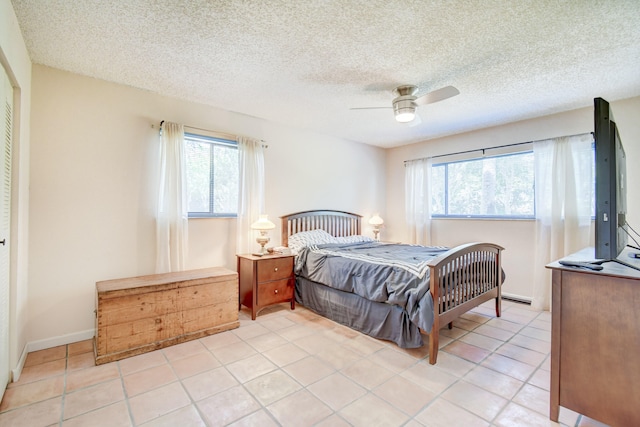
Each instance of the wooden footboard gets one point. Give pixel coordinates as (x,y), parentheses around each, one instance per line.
(461,279)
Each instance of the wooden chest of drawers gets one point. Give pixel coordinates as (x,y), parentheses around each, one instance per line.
(141,314)
(595,340)
(265,280)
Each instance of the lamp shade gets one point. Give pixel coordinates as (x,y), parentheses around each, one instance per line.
(263,224)
(376,220)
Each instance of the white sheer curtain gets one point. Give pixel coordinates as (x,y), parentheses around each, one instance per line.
(564,191)
(251,191)
(172,211)
(417,181)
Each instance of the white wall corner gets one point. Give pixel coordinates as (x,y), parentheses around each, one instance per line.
(49,343)
(17,371)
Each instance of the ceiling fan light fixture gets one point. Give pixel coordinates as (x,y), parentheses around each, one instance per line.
(405,117)
(404,110)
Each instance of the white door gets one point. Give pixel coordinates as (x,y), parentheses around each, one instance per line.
(6,112)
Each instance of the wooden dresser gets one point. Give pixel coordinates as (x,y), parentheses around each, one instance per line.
(595,340)
(265,280)
(141,314)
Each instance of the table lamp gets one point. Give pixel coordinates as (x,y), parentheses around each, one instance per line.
(376,222)
(262,225)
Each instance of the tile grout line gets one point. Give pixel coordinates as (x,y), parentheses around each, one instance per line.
(64,386)
(125,394)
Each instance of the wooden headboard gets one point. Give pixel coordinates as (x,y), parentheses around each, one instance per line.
(336,223)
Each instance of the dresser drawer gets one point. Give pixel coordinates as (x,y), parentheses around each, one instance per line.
(275,291)
(275,269)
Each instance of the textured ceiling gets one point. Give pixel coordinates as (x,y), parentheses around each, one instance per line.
(307,62)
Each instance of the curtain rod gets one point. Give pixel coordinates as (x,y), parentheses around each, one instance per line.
(495,148)
(221,134)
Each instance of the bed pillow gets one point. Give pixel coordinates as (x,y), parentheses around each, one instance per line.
(306,238)
(353,239)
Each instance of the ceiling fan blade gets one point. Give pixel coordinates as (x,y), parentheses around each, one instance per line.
(371,108)
(437,95)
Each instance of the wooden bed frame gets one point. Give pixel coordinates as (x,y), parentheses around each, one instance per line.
(460,279)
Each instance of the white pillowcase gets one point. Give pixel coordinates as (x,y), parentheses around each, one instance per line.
(307,238)
(353,239)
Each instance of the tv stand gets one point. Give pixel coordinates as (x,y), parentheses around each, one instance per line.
(594,340)
(570,262)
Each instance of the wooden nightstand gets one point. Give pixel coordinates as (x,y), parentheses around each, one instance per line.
(265,280)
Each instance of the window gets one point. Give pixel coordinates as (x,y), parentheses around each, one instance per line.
(489,187)
(212,176)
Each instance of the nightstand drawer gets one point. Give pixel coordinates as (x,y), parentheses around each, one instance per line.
(275,269)
(276,291)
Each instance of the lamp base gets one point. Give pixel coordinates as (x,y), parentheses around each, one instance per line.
(262,240)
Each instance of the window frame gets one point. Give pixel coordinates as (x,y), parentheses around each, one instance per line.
(446,215)
(213,141)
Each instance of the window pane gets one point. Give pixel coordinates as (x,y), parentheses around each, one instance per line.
(515,195)
(198,158)
(465,186)
(225,178)
(438,190)
(212,176)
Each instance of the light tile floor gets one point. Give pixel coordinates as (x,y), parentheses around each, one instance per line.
(294,368)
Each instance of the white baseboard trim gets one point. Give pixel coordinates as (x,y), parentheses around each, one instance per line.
(61,340)
(516,298)
(49,343)
(15,373)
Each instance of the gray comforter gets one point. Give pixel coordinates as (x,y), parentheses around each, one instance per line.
(395,274)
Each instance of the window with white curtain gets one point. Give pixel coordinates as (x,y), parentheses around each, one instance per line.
(487,187)
(212,176)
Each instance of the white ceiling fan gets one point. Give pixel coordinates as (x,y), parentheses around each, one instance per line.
(405,103)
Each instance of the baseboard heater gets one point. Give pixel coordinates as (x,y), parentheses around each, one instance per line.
(516,298)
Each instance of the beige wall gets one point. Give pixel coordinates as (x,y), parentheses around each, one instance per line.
(14,58)
(93,172)
(518,237)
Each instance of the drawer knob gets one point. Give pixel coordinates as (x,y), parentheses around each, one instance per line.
(275,269)
(276,291)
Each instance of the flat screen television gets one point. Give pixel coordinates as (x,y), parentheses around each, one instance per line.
(611,185)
